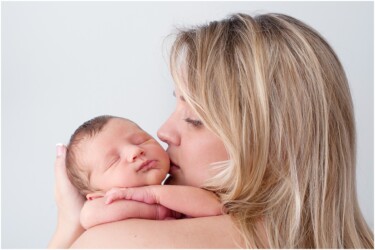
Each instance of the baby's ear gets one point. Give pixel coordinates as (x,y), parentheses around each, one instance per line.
(95,195)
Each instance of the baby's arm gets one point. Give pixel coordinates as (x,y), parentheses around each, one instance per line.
(95,212)
(191,201)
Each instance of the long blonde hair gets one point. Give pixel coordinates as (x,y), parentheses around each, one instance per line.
(276,94)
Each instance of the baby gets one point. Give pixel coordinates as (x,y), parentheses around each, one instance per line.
(108,157)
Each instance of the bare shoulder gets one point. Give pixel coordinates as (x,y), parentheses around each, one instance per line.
(207,232)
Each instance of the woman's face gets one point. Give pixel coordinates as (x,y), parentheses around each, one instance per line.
(191,146)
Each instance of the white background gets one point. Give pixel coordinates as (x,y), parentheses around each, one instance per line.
(66,62)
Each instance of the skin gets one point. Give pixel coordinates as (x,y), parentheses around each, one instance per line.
(206,232)
(131,164)
(186,136)
(113,157)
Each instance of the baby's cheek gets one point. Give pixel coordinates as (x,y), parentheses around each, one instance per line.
(156,178)
(125,179)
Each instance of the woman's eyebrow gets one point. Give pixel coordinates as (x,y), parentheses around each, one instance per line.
(181,97)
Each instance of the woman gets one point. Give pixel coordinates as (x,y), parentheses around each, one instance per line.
(264,118)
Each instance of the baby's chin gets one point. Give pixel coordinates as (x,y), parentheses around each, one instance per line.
(156,179)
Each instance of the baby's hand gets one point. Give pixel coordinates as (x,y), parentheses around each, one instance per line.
(142,194)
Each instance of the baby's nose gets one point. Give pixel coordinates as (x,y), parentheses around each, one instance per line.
(134,153)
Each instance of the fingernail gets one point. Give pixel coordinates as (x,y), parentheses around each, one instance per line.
(59,149)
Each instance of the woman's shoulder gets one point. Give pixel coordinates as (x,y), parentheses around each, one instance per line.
(207,232)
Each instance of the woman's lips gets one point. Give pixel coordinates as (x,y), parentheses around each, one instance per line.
(173,167)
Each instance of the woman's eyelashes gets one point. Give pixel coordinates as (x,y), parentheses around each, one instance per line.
(195,123)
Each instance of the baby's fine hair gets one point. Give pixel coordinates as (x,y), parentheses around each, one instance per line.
(76,174)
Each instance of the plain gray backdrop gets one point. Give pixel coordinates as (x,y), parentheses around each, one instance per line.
(66,62)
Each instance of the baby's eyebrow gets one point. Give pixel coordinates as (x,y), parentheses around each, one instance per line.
(139,134)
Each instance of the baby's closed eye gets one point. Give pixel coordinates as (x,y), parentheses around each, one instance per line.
(113,160)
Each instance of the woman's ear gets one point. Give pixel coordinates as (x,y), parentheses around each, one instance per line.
(95,195)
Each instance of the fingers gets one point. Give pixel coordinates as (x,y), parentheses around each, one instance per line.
(69,200)
(60,150)
(62,179)
(115,194)
(60,159)
(63,185)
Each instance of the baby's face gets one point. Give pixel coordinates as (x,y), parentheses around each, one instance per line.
(123,155)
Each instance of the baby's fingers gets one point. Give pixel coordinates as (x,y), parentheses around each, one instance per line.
(114,194)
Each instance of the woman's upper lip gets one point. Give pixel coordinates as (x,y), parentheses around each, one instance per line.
(174,164)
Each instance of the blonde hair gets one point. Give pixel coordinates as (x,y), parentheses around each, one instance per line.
(276,94)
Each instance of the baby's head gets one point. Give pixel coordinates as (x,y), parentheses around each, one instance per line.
(108,151)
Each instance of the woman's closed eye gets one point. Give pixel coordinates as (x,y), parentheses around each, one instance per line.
(194,122)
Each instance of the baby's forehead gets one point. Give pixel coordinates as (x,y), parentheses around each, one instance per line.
(114,129)
(111,130)
(125,125)
(123,121)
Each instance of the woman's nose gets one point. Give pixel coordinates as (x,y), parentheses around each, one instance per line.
(168,132)
(134,153)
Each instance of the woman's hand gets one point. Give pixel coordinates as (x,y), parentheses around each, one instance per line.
(69,204)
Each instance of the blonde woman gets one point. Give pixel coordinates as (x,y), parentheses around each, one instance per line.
(264,118)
